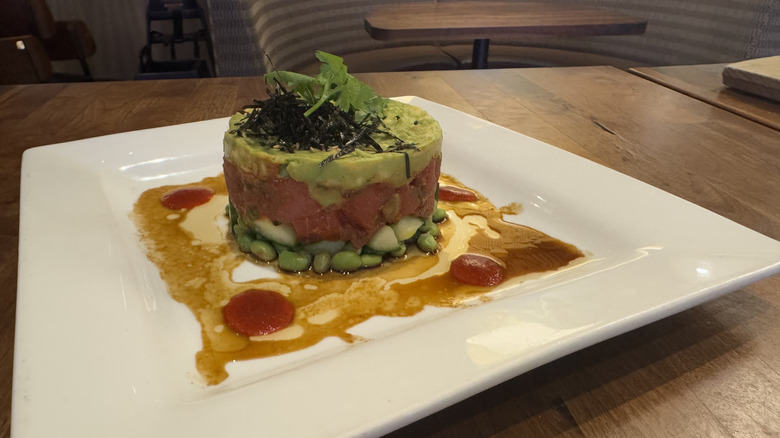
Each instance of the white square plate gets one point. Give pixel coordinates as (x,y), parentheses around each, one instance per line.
(102,350)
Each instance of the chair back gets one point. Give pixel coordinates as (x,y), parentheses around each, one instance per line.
(61,40)
(26,17)
(23,60)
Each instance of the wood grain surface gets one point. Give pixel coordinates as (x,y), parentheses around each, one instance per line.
(476,20)
(712,371)
(705,82)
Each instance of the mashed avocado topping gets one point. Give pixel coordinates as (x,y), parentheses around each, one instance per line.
(331,132)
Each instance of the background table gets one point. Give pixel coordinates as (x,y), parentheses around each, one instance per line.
(481,21)
(710,371)
(704,82)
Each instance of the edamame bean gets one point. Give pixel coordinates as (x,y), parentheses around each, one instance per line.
(399,252)
(244,241)
(280,248)
(370,260)
(321,263)
(263,250)
(429,227)
(239,229)
(294,261)
(349,247)
(426,242)
(439,215)
(346,261)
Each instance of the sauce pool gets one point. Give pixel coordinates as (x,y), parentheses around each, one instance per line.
(196,257)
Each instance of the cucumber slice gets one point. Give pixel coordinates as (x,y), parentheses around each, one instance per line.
(384,240)
(406,227)
(282,233)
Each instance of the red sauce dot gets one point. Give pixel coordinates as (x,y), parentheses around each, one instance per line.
(455,194)
(186,198)
(256,312)
(477,269)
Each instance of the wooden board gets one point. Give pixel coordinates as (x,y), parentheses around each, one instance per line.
(705,82)
(759,76)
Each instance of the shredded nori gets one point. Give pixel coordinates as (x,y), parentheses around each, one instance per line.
(280,119)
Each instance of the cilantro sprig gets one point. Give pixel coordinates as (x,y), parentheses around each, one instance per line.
(332,84)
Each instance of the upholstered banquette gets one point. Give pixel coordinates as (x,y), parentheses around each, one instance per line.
(254,36)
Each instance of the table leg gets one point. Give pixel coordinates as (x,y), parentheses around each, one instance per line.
(479,54)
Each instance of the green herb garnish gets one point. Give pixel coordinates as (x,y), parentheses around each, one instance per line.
(332,84)
(332,110)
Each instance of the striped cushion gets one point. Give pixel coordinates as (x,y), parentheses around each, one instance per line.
(509,56)
(678,32)
(236,52)
(682,31)
(290,31)
(408,58)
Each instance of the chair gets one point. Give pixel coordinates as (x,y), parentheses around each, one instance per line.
(61,40)
(23,60)
(175,12)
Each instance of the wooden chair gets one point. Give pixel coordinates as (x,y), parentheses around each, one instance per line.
(61,40)
(23,60)
(176,12)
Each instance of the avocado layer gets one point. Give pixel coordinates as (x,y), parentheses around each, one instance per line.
(329,184)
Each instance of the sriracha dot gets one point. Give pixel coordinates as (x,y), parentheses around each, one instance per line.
(455,194)
(256,312)
(477,269)
(186,198)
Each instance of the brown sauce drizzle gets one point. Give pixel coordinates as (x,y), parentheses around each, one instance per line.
(198,271)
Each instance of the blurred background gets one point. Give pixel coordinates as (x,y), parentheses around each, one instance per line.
(65,40)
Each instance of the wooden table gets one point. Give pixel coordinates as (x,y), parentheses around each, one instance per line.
(481,21)
(704,82)
(710,371)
